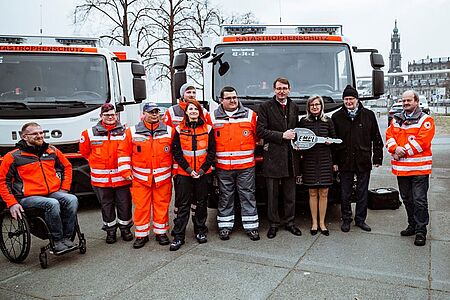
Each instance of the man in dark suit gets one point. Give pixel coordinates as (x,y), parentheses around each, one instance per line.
(276,120)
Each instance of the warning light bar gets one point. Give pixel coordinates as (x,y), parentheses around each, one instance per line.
(11,40)
(94,42)
(243,29)
(49,40)
(320,29)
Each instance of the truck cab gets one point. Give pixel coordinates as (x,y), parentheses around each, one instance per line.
(317,60)
(60,83)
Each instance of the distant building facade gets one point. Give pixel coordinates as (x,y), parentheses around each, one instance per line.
(433,86)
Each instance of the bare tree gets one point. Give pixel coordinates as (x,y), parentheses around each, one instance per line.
(158,28)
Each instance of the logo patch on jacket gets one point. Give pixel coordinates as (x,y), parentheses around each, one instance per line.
(166,149)
(246,132)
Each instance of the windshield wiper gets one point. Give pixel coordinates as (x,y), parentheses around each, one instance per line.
(68,103)
(14,103)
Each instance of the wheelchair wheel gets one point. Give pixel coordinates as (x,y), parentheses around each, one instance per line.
(15,238)
(43,260)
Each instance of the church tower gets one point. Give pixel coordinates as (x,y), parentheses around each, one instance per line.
(395,58)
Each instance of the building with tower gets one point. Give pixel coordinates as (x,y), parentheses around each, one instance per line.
(434,86)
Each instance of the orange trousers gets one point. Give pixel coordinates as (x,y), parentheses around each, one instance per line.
(151,199)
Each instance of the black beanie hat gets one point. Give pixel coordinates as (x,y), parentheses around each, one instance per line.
(350,91)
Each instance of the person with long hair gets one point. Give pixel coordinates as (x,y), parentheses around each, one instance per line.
(317,163)
(194,150)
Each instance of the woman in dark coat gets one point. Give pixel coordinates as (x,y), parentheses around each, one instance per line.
(317,162)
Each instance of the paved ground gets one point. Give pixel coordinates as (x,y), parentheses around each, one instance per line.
(354,265)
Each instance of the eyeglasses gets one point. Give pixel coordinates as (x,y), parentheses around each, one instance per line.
(230,98)
(315,105)
(35,133)
(108,115)
(282,88)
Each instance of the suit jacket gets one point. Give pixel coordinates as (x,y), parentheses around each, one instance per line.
(280,159)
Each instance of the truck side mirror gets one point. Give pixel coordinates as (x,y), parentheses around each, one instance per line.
(180,61)
(179,78)
(377,82)
(139,86)
(139,90)
(376,60)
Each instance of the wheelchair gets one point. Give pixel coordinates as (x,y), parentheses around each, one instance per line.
(15,237)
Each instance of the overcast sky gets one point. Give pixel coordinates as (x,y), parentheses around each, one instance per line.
(423,24)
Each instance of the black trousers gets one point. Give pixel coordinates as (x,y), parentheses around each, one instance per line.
(112,199)
(413,190)
(187,191)
(362,193)
(287,187)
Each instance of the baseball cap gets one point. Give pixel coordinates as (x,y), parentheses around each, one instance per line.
(149,106)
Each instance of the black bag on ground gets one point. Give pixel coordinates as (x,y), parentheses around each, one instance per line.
(383,198)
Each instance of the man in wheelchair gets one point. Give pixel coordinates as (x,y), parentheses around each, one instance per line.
(38,175)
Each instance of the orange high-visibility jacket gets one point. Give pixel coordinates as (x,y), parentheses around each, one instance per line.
(175,114)
(194,144)
(146,154)
(235,138)
(173,117)
(24,174)
(99,147)
(415,135)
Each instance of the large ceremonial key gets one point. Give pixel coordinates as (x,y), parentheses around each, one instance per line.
(307,139)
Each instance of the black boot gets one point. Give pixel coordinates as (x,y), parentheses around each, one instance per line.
(111,237)
(126,234)
(140,242)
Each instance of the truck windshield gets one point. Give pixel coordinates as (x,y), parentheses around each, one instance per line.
(27,80)
(312,69)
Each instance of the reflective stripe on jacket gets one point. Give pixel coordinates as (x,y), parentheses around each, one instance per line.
(235,138)
(146,154)
(24,174)
(194,145)
(415,135)
(99,147)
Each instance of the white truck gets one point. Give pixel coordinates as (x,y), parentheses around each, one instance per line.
(60,83)
(317,60)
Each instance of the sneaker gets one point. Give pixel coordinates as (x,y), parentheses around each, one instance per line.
(162,239)
(253,235)
(69,243)
(201,238)
(58,247)
(420,240)
(140,242)
(126,235)
(224,234)
(176,244)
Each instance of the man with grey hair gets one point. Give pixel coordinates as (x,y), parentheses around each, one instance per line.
(408,140)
